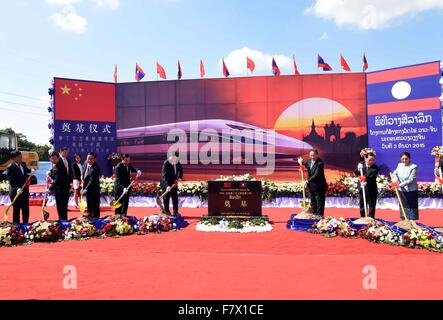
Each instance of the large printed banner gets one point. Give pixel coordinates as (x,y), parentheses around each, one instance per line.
(85,119)
(404,115)
(326,112)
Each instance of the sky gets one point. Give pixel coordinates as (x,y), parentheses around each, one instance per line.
(84,39)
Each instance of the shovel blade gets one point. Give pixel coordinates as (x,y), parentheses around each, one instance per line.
(6,216)
(45,215)
(115,204)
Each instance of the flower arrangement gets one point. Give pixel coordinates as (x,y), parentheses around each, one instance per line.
(380,232)
(83,228)
(114,226)
(80,228)
(437,152)
(422,238)
(244,177)
(106,185)
(233,225)
(344,186)
(11,235)
(332,227)
(364,152)
(156,223)
(44,231)
(115,158)
(4,187)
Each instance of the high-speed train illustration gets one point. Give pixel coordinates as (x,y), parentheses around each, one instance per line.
(149,145)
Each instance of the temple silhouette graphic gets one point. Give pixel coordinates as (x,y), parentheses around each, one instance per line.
(332,142)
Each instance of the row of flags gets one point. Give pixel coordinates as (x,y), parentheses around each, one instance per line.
(250,65)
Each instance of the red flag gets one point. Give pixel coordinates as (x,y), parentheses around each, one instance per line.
(344,64)
(161,71)
(296,72)
(250,64)
(202,69)
(225,69)
(115,74)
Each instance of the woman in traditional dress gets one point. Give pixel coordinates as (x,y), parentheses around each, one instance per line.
(406,175)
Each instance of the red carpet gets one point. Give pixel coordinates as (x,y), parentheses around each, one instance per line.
(281,264)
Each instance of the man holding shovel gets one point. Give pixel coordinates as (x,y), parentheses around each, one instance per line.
(367,172)
(18,173)
(172,171)
(122,184)
(60,185)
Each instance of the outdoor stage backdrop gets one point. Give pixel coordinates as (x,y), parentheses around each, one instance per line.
(404,115)
(326,111)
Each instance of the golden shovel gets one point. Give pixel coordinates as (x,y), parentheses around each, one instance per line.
(82,205)
(115,204)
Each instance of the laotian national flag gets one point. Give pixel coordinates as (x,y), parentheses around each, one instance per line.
(161,71)
(202,69)
(139,73)
(225,69)
(296,72)
(407,89)
(115,74)
(365,63)
(275,68)
(250,64)
(344,64)
(323,65)
(179,73)
(77,100)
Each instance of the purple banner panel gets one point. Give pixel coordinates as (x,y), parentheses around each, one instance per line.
(83,137)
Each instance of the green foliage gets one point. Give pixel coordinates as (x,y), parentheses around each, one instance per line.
(25,145)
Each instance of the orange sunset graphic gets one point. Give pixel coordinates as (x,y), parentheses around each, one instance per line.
(297,120)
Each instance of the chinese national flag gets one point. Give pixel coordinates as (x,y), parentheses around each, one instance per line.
(115,74)
(344,64)
(202,69)
(84,100)
(250,64)
(161,71)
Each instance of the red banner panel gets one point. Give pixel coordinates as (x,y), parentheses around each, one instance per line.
(79,100)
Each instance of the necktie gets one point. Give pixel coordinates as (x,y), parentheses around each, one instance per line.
(21,169)
(66,164)
(175,169)
(87,170)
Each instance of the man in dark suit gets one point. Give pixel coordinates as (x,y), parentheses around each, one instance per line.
(60,185)
(91,185)
(64,153)
(17,173)
(369,170)
(172,172)
(316,182)
(122,181)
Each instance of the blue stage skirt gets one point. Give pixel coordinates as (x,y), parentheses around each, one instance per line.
(300,224)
